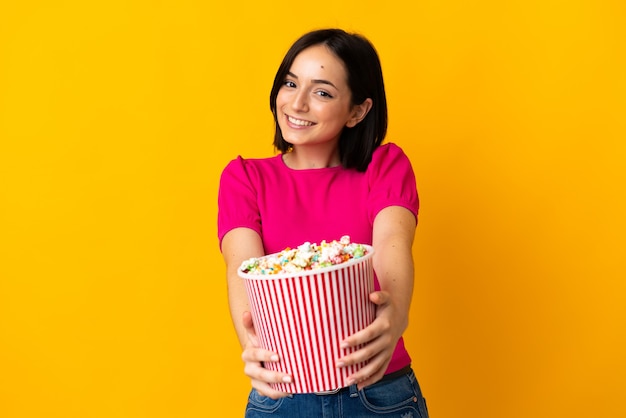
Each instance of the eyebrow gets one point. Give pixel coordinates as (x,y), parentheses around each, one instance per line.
(316,81)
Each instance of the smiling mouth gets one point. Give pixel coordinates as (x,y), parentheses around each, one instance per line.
(299,122)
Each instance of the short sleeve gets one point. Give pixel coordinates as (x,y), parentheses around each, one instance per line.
(237,202)
(391,181)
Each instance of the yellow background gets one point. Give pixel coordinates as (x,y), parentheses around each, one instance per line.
(116,118)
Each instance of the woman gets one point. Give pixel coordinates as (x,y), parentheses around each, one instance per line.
(332,178)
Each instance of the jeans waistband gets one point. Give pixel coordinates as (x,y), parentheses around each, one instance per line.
(390,376)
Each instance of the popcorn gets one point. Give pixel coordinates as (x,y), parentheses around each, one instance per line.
(306,257)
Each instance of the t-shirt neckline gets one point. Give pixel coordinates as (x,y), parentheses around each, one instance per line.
(281,162)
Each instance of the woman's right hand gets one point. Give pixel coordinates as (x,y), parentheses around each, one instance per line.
(254,356)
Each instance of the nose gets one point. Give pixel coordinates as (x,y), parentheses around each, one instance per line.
(300,101)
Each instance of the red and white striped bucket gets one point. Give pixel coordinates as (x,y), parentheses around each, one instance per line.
(305,318)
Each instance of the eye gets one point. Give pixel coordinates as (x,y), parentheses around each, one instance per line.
(289,83)
(323,93)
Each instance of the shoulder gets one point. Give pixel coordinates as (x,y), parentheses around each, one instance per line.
(391,180)
(253,162)
(389,156)
(251,166)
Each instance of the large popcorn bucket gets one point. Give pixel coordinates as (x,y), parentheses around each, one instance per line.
(305,317)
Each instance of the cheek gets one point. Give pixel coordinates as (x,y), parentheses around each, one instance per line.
(335,115)
(281,99)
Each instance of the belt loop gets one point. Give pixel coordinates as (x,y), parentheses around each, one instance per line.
(354,392)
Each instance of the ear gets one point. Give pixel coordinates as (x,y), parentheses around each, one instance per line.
(359,112)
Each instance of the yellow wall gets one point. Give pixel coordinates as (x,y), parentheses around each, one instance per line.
(117,116)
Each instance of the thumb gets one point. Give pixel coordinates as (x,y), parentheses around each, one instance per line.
(247,321)
(249,326)
(380,297)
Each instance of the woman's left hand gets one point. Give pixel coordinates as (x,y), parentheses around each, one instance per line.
(379,341)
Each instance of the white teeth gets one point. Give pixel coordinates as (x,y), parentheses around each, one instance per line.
(299,122)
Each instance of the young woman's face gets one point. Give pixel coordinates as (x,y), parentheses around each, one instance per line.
(314,103)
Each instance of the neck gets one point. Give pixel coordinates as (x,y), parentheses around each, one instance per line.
(302,158)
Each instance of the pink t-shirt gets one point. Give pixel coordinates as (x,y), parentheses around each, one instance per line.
(288,207)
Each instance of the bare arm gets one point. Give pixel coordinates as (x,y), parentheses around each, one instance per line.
(394,230)
(239,245)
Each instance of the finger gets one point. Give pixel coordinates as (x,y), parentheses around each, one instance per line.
(362,337)
(380,297)
(371,380)
(367,334)
(266,390)
(260,374)
(249,326)
(371,373)
(365,353)
(247,321)
(259,355)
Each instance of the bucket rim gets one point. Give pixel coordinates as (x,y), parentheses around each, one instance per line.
(306,273)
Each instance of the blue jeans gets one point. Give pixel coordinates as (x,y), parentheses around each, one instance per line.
(400,397)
